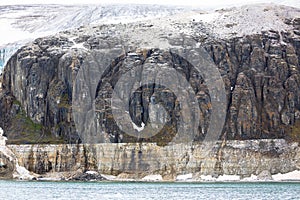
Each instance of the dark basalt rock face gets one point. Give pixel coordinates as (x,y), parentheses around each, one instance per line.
(37,84)
(260,73)
(263,72)
(153,94)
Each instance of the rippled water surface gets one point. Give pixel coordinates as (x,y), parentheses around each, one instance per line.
(161,191)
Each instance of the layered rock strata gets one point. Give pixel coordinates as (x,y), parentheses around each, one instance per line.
(241,158)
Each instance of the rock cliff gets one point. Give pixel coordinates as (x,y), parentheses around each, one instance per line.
(135,161)
(260,73)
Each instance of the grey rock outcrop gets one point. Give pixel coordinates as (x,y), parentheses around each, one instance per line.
(37,86)
(260,73)
(263,74)
(7,167)
(88,176)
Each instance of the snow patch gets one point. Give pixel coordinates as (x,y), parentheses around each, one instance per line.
(154,177)
(91,172)
(221,178)
(247,20)
(77,45)
(184,177)
(290,176)
(205,17)
(49,179)
(139,129)
(22,173)
(251,178)
(228,178)
(108,177)
(207,178)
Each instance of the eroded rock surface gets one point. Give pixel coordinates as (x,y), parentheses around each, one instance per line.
(260,74)
(135,161)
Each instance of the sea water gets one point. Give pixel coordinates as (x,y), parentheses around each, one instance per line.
(162,191)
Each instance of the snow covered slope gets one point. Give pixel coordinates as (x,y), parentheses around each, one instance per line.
(293,3)
(32,19)
(247,20)
(22,23)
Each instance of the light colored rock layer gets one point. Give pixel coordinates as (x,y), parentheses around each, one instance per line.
(241,159)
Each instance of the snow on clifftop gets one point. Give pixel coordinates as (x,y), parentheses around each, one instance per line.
(247,20)
(24,21)
(20,24)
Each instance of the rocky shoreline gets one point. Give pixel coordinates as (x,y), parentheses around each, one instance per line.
(92,176)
